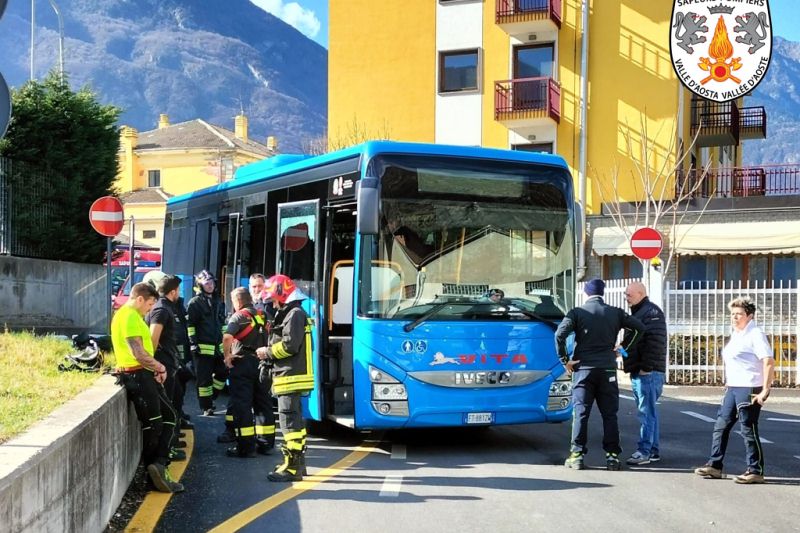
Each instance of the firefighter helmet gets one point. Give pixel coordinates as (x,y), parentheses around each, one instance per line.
(279,287)
(154,278)
(203,276)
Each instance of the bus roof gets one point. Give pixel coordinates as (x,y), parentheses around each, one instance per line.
(281,165)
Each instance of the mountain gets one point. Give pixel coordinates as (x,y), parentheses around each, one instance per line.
(779,93)
(189,59)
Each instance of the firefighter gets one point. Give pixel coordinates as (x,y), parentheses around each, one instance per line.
(245,333)
(265,434)
(289,350)
(206,318)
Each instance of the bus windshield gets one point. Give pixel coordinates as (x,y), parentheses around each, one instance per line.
(468,239)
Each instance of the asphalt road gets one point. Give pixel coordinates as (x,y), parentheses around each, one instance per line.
(508,478)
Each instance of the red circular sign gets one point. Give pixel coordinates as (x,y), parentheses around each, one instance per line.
(646,243)
(106,216)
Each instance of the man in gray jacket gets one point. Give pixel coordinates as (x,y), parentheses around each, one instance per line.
(594,369)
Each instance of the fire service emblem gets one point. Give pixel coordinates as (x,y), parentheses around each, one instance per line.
(720,48)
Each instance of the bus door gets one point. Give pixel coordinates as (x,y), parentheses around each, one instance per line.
(337,354)
(230,270)
(297,257)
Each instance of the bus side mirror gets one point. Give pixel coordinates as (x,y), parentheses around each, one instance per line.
(368,197)
(579,227)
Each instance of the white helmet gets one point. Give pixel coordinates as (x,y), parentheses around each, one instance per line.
(154,278)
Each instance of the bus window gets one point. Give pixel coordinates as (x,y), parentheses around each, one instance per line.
(297,247)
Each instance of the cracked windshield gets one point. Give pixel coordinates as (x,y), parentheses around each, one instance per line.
(468,240)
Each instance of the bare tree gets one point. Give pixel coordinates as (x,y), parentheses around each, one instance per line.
(657,204)
(353,133)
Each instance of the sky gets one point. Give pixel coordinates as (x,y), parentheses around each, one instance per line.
(310,17)
(785,18)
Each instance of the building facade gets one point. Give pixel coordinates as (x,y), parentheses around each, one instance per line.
(175,159)
(593,82)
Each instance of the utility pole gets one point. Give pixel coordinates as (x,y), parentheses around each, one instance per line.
(60,40)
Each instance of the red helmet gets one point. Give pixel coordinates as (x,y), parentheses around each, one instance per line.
(279,287)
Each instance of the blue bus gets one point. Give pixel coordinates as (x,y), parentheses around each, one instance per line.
(436,275)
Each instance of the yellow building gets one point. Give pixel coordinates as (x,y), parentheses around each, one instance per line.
(516,74)
(176,159)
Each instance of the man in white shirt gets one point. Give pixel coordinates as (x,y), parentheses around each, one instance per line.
(749,371)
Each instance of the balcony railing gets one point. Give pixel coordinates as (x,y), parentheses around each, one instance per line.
(718,123)
(523,10)
(527,98)
(753,123)
(766,180)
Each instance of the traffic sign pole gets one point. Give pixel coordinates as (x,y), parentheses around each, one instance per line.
(110,299)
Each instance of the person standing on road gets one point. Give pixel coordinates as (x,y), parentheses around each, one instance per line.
(594,369)
(206,318)
(646,363)
(250,405)
(161,320)
(290,350)
(144,376)
(749,371)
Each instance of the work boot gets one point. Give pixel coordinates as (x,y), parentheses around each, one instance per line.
(159,475)
(575,461)
(612,462)
(709,472)
(226,436)
(241,452)
(291,469)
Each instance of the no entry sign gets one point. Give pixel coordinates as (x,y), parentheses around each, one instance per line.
(106,216)
(646,243)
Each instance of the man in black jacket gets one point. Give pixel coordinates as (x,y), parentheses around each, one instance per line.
(646,363)
(594,369)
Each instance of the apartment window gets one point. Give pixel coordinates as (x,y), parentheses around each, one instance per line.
(227,168)
(154,178)
(706,271)
(149,234)
(621,267)
(458,71)
(544,148)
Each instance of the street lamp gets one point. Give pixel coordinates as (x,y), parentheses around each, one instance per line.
(60,38)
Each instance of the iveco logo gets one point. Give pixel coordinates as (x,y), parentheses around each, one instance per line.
(482,378)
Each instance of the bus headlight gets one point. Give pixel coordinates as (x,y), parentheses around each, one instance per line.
(561,388)
(379,376)
(390,391)
(560,393)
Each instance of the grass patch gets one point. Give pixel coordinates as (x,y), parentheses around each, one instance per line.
(31,386)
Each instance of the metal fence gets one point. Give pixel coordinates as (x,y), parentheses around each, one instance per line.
(698,322)
(26,201)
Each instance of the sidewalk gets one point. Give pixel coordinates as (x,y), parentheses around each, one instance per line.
(712,394)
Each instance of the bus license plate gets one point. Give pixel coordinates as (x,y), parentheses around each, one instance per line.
(479,418)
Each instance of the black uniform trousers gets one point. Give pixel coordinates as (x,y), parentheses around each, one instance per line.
(211,375)
(157,416)
(290,415)
(589,386)
(250,406)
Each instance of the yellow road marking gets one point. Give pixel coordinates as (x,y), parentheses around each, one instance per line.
(151,509)
(250,514)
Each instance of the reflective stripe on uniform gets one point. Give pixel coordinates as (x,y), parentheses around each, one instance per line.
(205,392)
(286,384)
(217,384)
(228,418)
(294,445)
(295,435)
(245,431)
(207,349)
(265,430)
(191,331)
(279,351)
